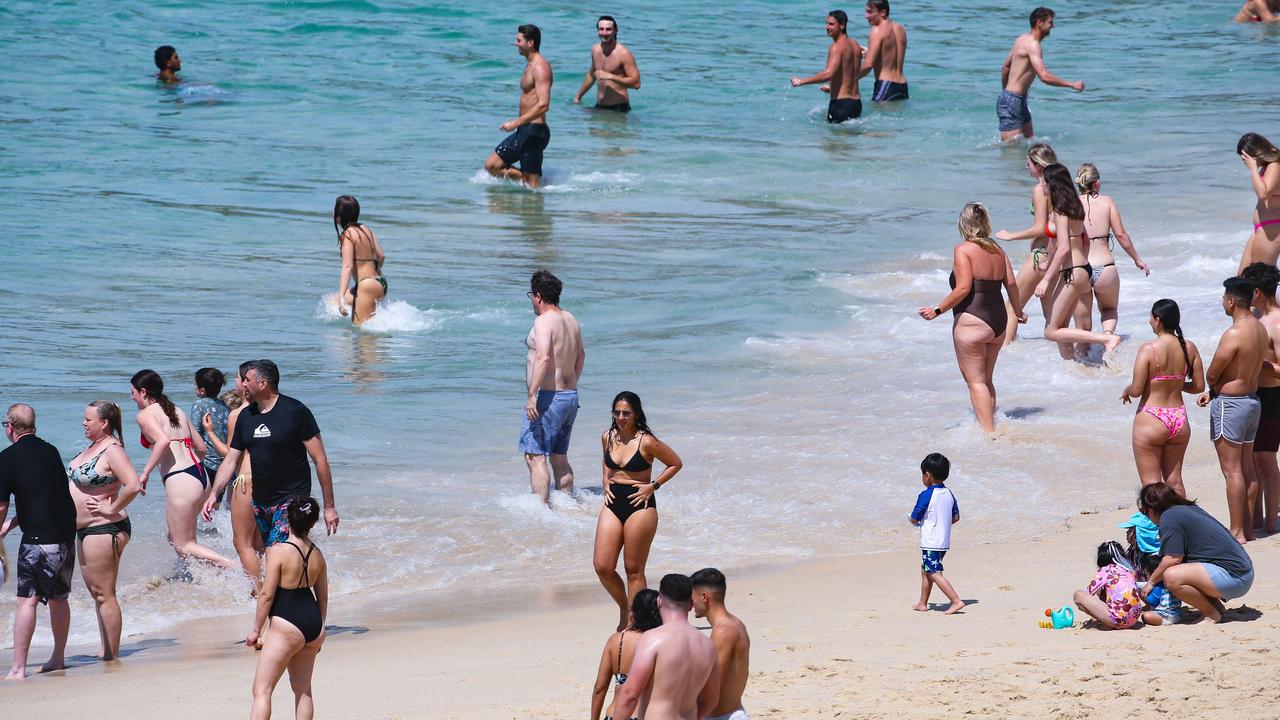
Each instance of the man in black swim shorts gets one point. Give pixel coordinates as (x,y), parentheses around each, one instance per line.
(529,132)
(614,66)
(843,63)
(886,51)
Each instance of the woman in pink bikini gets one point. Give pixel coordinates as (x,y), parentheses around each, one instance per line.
(1164,369)
(1263,160)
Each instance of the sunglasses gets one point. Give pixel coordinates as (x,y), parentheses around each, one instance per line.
(616,413)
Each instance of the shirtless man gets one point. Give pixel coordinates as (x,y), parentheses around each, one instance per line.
(675,674)
(1024,64)
(843,62)
(729,635)
(552,369)
(1264,277)
(529,132)
(1259,11)
(886,51)
(168,62)
(614,66)
(1233,403)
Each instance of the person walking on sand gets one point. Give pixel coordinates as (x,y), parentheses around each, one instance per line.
(1161,429)
(1022,66)
(31,472)
(729,635)
(614,66)
(553,366)
(529,132)
(1232,398)
(295,595)
(675,674)
(886,52)
(1264,278)
(844,60)
(979,269)
(935,512)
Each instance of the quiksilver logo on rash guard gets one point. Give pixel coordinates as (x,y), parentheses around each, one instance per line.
(262,431)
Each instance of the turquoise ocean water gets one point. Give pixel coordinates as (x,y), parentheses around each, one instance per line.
(751,271)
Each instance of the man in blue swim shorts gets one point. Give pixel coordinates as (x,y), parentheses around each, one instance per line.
(552,369)
(529,132)
(1023,65)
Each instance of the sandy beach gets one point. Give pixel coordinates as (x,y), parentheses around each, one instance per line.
(832,638)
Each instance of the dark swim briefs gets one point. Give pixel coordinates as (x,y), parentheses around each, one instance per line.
(525,146)
(840,110)
(1268,438)
(622,107)
(1011,109)
(887,90)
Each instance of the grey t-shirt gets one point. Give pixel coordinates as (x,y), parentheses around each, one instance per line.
(1197,536)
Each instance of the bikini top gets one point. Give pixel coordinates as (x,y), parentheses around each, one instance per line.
(1155,356)
(86,474)
(635,464)
(620,677)
(377,265)
(142,437)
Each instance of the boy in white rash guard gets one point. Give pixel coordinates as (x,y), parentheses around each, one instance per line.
(935,512)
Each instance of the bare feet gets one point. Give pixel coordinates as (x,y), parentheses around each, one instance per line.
(956,607)
(920,607)
(53,666)
(16,674)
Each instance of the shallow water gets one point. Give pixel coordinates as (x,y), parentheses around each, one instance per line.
(752,272)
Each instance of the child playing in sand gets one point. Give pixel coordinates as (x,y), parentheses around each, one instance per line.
(1112,597)
(1168,611)
(935,512)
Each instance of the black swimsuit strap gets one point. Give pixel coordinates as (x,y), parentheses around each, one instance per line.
(306,575)
(621,636)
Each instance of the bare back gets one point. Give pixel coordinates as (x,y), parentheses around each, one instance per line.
(1097,224)
(848,57)
(733,648)
(1271,323)
(892,51)
(559,329)
(1021,70)
(683,661)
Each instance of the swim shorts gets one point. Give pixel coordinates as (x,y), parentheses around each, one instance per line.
(1011,109)
(623,107)
(549,434)
(931,560)
(1234,418)
(1230,587)
(525,146)
(738,714)
(887,90)
(44,571)
(1268,438)
(840,110)
(273,522)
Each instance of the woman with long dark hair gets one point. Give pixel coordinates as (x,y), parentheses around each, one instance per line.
(362,259)
(629,519)
(1165,368)
(620,651)
(1069,265)
(176,449)
(244,526)
(1262,158)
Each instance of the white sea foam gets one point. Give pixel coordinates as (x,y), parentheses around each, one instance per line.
(391,316)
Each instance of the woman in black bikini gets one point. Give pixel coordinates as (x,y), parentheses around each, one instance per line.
(295,594)
(176,449)
(1102,222)
(981,320)
(629,518)
(620,650)
(1070,265)
(362,259)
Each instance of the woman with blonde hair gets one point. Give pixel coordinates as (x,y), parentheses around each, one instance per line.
(103,483)
(1101,222)
(362,259)
(981,318)
(1263,160)
(1039,157)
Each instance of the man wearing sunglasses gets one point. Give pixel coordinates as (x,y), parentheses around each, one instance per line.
(552,369)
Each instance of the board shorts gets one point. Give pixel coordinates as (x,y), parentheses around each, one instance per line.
(1234,418)
(887,90)
(525,146)
(44,571)
(273,522)
(840,110)
(931,560)
(1011,109)
(622,107)
(549,434)
(1228,586)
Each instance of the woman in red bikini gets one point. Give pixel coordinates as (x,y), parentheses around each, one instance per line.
(1263,160)
(1165,368)
(177,450)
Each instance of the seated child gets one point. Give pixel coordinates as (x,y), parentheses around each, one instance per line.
(1169,608)
(1112,598)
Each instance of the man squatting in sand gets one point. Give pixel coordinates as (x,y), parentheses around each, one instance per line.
(886,52)
(552,369)
(529,132)
(843,62)
(1234,409)
(1024,64)
(675,666)
(729,635)
(614,66)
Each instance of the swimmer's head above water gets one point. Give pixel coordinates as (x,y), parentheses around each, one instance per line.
(167,61)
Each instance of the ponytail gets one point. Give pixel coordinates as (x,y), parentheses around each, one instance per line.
(1177,332)
(1170,317)
(149,382)
(110,412)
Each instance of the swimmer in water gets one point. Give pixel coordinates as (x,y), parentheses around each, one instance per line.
(1259,11)
(168,62)
(886,52)
(1102,221)
(614,66)
(1023,65)
(1263,162)
(529,132)
(1039,157)
(362,259)
(844,61)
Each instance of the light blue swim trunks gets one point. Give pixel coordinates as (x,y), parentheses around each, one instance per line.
(549,434)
